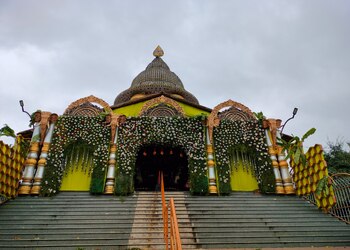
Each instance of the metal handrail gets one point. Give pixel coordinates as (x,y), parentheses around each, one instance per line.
(341,188)
(175,240)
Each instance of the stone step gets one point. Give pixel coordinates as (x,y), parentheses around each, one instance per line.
(74,220)
(91,235)
(88,230)
(91,221)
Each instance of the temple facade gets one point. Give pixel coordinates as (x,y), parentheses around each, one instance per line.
(155,126)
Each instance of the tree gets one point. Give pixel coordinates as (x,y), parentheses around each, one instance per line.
(338,160)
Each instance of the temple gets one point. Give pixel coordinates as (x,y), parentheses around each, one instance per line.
(157,128)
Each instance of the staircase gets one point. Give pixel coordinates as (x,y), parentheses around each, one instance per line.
(78,220)
(147,231)
(69,220)
(249,220)
(73,220)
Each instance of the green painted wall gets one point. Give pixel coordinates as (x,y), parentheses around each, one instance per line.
(134,110)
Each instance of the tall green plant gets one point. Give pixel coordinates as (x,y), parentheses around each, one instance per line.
(7,131)
(294,147)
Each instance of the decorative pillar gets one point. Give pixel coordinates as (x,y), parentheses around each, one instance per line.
(283,165)
(114,121)
(276,171)
(211,165)
(32,157)
(110,180)
(42,161)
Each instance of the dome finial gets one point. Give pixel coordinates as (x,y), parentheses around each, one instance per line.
(158,52)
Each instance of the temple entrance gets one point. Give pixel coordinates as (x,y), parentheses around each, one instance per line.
(152,160)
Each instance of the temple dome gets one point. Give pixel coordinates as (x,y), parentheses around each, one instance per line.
(156,78)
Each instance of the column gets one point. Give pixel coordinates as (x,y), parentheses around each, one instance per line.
(110,180)
(31,161)
(283,165)
(211,165)
(276,171)
(42,161)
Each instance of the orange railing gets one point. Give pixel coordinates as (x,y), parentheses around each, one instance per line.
(175,241)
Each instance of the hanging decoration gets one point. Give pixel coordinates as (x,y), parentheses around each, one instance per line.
(240,156)
(246,140)
(79,158)
(77,130)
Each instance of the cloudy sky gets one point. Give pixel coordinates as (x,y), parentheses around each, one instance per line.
(271,56)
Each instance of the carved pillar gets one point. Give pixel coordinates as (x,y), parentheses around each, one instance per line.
(110,180)
(42,161)
(211,165)
(276,171)
(31,160)
(283,165)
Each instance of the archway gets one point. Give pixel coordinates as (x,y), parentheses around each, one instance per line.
(153,159)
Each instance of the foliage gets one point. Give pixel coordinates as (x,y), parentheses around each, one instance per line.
(294,147)
(323,187)
(32,118)
(338,160)
(136,132)
(7,131)
(124,184)
(200,185)
(260,115)
(248,136)
(77,130)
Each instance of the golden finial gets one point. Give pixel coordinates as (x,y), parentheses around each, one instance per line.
(158,52)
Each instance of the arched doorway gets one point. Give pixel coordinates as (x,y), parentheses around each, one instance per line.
(153,159)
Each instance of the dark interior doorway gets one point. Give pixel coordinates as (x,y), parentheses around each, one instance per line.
(171,161)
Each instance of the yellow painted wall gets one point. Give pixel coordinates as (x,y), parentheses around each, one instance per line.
(241,180)
(77,180)
(77,175)
(134,110)
(131,110)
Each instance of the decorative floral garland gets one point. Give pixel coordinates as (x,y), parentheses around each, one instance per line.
(77,129)
(247,135)
(187,133)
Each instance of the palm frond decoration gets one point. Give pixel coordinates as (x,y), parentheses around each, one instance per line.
(7,131)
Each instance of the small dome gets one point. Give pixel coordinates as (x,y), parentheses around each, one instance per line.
(156,78)
(157,72)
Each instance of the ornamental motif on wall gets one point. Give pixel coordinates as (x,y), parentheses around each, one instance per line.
(234,114)
(84,107)
(214,119)
(162,110)
(172,107)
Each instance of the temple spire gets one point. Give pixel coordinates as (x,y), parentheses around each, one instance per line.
(158,52)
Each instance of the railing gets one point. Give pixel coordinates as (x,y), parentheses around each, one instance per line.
(341,188)
(175,241)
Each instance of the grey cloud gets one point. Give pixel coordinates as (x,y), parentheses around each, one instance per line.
(271,56)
